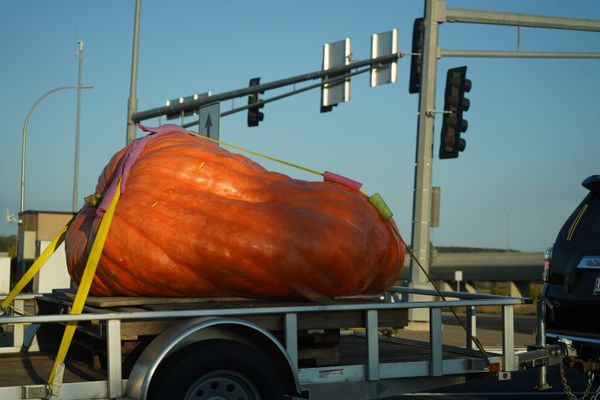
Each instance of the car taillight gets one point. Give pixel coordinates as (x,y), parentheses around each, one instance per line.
(547,263)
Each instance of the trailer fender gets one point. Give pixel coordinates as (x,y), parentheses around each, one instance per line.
(193,331)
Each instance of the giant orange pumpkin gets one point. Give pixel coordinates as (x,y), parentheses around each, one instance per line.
(195,220)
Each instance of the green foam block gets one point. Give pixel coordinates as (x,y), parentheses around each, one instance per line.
(382,208)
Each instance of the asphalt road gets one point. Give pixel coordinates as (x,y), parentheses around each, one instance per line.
(521,386)
(526,324)
(523,383)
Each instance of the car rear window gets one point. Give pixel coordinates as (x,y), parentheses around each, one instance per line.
(584,224)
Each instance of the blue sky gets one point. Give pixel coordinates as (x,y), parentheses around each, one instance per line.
(533,124)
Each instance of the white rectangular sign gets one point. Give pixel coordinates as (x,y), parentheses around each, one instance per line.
(336,54)
(208,120)
(383,44)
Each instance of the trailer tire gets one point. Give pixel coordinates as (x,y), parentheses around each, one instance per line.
(217,369)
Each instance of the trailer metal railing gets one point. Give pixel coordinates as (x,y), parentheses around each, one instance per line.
(373,370)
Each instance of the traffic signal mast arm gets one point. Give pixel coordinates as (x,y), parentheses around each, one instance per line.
(333,72)
(284,95)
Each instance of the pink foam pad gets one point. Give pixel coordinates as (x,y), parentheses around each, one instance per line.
(163,129)
(129,159)
(333,177)
(123,170)
(131,156)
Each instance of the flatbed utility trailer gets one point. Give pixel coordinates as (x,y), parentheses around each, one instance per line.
(234,348)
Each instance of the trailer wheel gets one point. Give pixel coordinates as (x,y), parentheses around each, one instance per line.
(217,369)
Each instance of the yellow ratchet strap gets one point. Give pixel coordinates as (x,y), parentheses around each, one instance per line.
(55,380)
(35,267)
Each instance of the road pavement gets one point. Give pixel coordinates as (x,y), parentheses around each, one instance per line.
(520,386)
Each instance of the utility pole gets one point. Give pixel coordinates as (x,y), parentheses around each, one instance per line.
(132,101)
(79,54)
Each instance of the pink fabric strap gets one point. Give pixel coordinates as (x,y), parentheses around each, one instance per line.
(127,161)
(167,128)
(333,177)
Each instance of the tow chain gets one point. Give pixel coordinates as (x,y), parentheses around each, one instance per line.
(588,389)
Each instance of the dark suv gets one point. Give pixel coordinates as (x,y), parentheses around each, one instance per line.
(572,277)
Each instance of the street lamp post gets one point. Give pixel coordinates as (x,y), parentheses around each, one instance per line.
(79,54)
(24,142)
(132,101)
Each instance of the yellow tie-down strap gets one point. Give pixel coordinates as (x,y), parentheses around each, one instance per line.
(55,380)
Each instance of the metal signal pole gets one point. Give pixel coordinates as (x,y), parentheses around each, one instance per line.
(424,158)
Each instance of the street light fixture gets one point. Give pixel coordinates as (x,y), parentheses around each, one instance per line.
(24,142)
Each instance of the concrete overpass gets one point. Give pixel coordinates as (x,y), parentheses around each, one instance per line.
(518,268)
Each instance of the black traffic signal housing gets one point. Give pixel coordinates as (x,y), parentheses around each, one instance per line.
(416,59)
(455,104)
(254,113)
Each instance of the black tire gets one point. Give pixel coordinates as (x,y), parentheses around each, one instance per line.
(214,368)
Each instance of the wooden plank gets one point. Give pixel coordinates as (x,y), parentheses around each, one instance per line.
(126,301)
(131,330)
(107,302)
(318,356)
(221,302)
(34,368)
(62,304)
(350,319)
(307,321)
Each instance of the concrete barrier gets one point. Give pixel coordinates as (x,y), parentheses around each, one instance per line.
(489,266)
(4,275)
(54,274)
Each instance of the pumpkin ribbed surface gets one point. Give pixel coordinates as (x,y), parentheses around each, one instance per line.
(196,220)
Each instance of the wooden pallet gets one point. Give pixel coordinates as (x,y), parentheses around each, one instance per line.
(319,332)
(397,318)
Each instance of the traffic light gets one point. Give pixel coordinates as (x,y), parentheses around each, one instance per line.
(416,59)
(455,104)
(254,115)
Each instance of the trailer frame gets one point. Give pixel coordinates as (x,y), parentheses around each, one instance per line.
(373,378)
